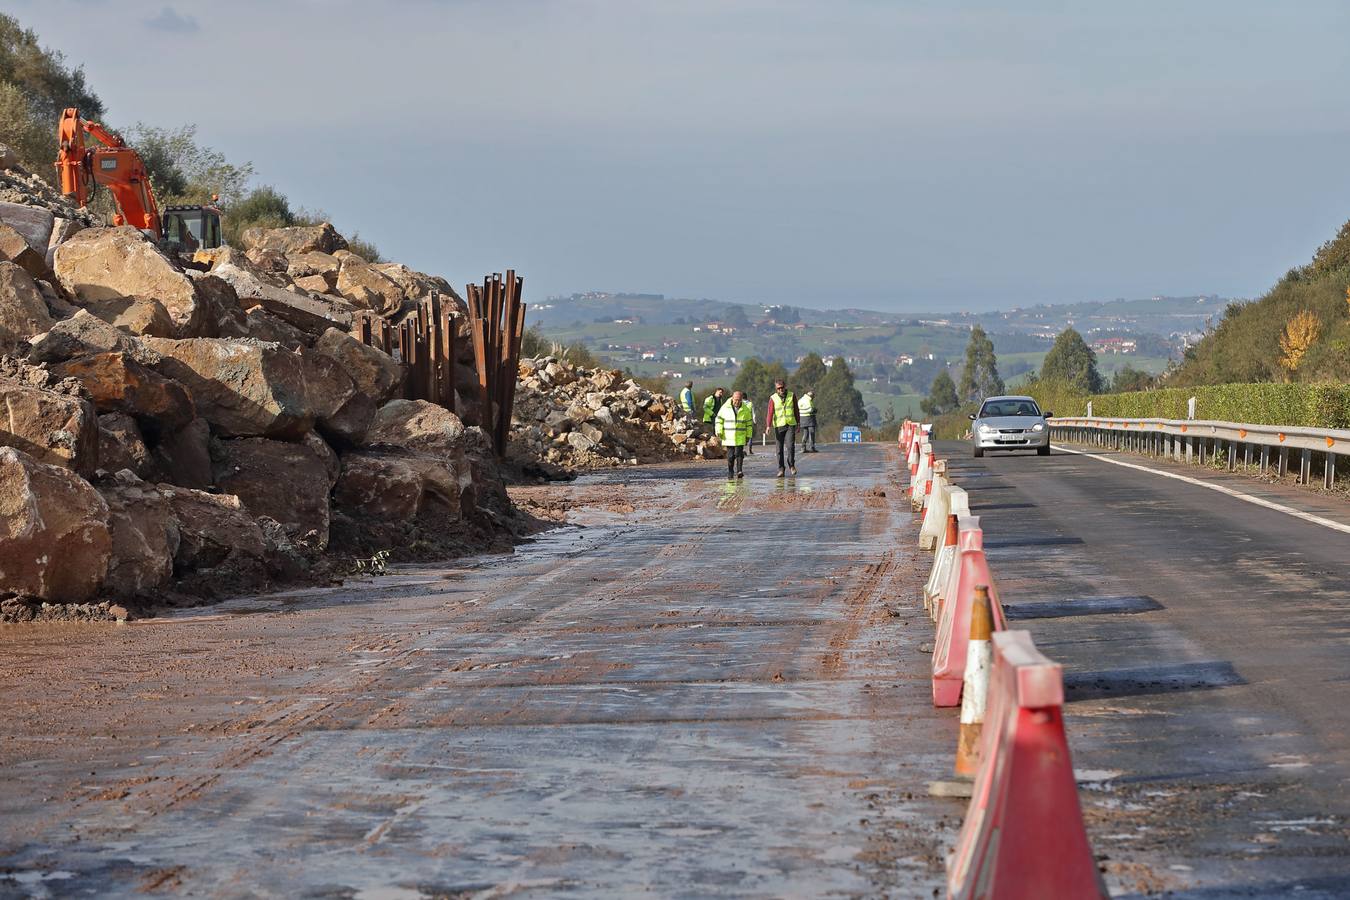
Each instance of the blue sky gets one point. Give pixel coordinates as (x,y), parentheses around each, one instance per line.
(905,156)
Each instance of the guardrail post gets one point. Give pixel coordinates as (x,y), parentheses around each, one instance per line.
(1329,473)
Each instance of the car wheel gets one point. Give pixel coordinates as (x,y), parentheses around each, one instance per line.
(1043,451)
(979,451)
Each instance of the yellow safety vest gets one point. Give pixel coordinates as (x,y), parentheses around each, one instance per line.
(784,410)
(735,426)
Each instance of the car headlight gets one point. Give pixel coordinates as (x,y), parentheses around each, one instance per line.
(1039,426)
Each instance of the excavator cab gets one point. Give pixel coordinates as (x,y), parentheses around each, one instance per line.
(188,229)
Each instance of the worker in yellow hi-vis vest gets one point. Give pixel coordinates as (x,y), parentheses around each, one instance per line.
(806,406)
(782,416)
(736,429)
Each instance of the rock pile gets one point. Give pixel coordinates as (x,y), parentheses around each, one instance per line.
(179,429)
(572,418)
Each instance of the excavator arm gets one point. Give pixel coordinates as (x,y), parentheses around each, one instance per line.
(112,164)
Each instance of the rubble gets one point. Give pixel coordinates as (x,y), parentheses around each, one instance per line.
(573,418)
(194,430)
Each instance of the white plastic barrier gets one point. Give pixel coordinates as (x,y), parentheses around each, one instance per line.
(935,514)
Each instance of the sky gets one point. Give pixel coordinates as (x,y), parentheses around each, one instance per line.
(904,156)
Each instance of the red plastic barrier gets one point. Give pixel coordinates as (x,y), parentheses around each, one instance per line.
(1023,838)
(953,634)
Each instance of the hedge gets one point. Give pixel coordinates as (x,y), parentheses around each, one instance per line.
(1295,405)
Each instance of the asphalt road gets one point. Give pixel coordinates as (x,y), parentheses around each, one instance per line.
(715,689)
(712,689)
(1207,663)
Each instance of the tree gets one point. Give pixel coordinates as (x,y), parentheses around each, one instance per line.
(735,315)
(1071,362)
(1129,378)
(941,396)
(838,402)
(980,376)
(1300,333)
(756,379)
(809,374)
(36,84)
(183,171)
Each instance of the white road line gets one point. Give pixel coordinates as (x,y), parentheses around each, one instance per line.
(1259,501)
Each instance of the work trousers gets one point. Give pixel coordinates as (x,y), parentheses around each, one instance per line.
(786,435)
(809,432)
(735,460)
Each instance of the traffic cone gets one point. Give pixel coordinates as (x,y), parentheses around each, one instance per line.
(975,687)
(942,571)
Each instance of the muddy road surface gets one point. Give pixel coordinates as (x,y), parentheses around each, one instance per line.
(707,689)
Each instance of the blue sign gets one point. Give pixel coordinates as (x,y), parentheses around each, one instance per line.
(851,435)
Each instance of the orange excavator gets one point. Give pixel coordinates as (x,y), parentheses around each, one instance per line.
(181,229)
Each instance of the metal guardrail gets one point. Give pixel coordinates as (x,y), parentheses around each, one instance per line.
(1200,440)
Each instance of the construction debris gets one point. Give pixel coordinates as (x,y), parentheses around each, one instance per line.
(572,418)
(181,430)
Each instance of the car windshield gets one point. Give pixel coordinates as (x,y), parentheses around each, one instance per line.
(1009,408)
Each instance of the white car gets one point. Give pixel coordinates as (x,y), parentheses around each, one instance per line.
(1010,423)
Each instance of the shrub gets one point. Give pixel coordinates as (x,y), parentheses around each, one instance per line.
(1294,405)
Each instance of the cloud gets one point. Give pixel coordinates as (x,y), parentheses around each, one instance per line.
(172,21)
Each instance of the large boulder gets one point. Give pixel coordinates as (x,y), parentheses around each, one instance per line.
(86,333)
(144,532)
(54,538)
(23,312)
(284,481)
(248,388)
(117,383)
(135,315)
(100,264)
(314,262)
(47,419)
(295,239)
(33,222)
(418,425)
(396,486)
(14,247)
(307,313)
(222,313)
(367,287)
(419,285)
(376,376)
(215,531)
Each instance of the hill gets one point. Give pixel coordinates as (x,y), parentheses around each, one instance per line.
(1298,331)
(894,356)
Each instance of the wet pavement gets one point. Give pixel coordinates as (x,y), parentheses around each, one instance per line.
(1205,646)
(717,690)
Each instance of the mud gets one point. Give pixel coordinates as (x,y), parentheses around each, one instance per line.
(691,687)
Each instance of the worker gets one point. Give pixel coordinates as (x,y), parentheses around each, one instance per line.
(711,404)
(807,407)
(782,417)
(687,401)
(736,429)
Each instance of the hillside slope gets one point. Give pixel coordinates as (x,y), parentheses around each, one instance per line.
(1298,331)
